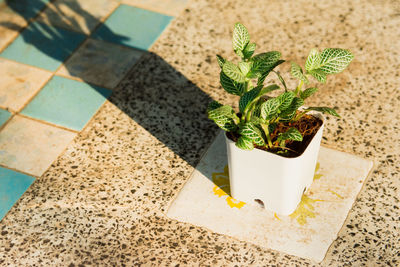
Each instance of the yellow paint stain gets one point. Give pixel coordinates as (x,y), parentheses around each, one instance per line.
(276,216)
(317,175)
(222,188)
(304,210)
(333,192)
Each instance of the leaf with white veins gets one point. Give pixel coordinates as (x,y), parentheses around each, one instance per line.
(241,37)
(251,131)
(231,86)
(297,72)
(244,143)
(233,72)
(308,92)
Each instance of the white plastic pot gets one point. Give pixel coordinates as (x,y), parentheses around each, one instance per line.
(277,181)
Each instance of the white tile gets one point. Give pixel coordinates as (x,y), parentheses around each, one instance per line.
(30,146)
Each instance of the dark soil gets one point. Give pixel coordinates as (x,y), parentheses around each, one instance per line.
(307,125)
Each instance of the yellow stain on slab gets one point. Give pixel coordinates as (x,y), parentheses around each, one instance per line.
(304,210)
(222,188)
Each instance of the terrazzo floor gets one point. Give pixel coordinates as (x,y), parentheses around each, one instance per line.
(102,113)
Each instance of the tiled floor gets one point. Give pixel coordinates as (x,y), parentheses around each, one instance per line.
(54,78)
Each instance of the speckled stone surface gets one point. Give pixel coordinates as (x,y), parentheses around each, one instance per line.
(103,201)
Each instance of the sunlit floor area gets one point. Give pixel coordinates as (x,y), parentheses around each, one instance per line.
(103,123)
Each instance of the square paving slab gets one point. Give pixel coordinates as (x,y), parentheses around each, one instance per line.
(67,103)
(308,232)
(134,27)
(12,185)
(30,146)
(19,83)
(101,63)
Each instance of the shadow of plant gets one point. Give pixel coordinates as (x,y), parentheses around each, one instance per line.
(154,94)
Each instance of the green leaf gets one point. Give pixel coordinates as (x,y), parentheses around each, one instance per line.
(281,79)
(297,72)
(245,67)
(221,61)
(308,92)
(291,134)
(241,37)
(268,89)
(253,133)
(269,108)
(285,100)
(290,112)
(248,97)
(224,117)
(313,60)
(231,86)
(233,72)
(319,75)
(335,60)
(265,61)
(213,105)
(264,75)
(244,143)
(249,50)
(324,110)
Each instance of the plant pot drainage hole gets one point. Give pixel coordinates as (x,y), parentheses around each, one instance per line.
(259,202)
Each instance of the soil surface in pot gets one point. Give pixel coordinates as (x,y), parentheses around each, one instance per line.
(307,125)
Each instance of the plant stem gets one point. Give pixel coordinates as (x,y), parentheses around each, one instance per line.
(266,131)
(298,88)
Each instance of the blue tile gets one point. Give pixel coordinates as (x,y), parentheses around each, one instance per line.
(66,102)
(12,185)
(43,46)
(26,8)
(4,116)
(133,27)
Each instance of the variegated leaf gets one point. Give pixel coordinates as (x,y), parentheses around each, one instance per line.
(264,75)
(233,72)
(325,110)
(213,105)
(313,60)
(290,112)
(241,37)
(245,67)
(224,117)
(253,133)
(264,61)
(335,60)
(221,61)
(269,108)
(285,100)
(297,72)
(248,97)
(308,92)
(291,134)
(244,143)
(249,50)
(319,75)
(231,86)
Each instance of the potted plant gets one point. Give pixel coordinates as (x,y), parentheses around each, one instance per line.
(272,141)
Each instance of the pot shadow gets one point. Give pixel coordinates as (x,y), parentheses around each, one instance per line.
(154,94)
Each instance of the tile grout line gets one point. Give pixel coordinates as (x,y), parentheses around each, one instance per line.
(88,36)
(15,170)
(55,71)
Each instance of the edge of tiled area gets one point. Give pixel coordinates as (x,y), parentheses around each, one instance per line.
(32,135)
